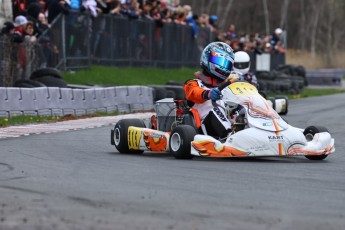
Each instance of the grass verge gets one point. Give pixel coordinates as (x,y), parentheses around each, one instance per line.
(112,76)
(25,119)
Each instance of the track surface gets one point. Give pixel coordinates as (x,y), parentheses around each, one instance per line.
(76,180)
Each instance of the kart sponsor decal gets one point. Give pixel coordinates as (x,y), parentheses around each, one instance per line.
(208,149)
(279,139)
(219,114)
(259,148)
(243,88)
(155,141)
(267,124)
(134,136)
(259,111)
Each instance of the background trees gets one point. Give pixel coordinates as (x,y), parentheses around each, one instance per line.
(313,26)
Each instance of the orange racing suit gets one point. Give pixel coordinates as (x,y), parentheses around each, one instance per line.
(213,118)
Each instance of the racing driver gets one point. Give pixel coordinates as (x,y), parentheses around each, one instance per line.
(216,65)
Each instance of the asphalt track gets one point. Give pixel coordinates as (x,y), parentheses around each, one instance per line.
(76,180)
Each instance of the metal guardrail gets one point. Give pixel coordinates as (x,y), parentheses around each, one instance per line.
(325,77)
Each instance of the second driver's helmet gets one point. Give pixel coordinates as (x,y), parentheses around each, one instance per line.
(242,62)
(217,59)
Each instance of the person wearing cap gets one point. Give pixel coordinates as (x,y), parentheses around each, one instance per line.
(8,28)
(276,41)
(19,24)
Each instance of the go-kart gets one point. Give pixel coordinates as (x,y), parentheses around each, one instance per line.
(259,132)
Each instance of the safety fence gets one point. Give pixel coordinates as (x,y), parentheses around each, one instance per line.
(115,40)
(53,101)
(18,61)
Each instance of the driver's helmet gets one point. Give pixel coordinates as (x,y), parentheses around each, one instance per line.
(242,62)
(217,59)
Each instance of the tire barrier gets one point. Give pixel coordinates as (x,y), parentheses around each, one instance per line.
(54,101)
(286,79)
(325,77)
(174,90)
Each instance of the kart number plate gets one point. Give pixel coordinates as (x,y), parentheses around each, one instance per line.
(134,136)
(243,88)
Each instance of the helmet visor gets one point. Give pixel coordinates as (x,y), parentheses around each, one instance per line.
(215,58)
(241,65)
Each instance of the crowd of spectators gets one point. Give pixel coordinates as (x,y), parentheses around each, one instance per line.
(33,17)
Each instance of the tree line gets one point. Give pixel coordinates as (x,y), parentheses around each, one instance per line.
(315,26)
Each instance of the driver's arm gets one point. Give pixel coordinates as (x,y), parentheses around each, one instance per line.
(194,92)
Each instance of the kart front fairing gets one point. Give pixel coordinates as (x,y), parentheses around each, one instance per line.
(267,133)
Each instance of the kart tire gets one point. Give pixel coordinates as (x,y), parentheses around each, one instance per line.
(272,99)
(309,132)
(287,104)
(44,72)
(171,94)
(26,83)
(52,81)
(159,93)
(180,141)
(121,134)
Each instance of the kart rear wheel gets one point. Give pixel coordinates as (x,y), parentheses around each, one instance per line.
(286,104)
(309,133)
(121,134)
(180,141)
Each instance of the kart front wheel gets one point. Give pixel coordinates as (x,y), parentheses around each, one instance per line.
(121,134)
(180,141)
(309,133)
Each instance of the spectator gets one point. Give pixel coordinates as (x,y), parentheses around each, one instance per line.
(19,24)
(8,29)
(43,22)
(130,8)
(230,33)
(33,11)
(193,22)
(75,4)
(55,7)
(29,32)
(276,41)
(213,22)
(114,6)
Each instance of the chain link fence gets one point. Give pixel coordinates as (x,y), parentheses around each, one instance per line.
(18,61)
(77,41)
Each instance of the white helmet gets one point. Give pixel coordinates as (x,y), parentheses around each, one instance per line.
(242,62)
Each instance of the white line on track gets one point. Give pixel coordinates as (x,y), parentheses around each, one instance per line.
(45,128)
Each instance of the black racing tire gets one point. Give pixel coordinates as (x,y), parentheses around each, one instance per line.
(46,72)
(272,99)
(25,83)
(51,81)
(178,90)
(171,94)
(180,141)
(309,132)
(159,93)
(287,104)
(121,134)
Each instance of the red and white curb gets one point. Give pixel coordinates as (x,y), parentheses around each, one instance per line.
(94,122)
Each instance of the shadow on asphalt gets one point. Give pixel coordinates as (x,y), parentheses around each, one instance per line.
(291,159)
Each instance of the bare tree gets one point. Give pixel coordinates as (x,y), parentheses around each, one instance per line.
(302,27)
(266,13)
(226,13)
(284,11)
(317,7)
